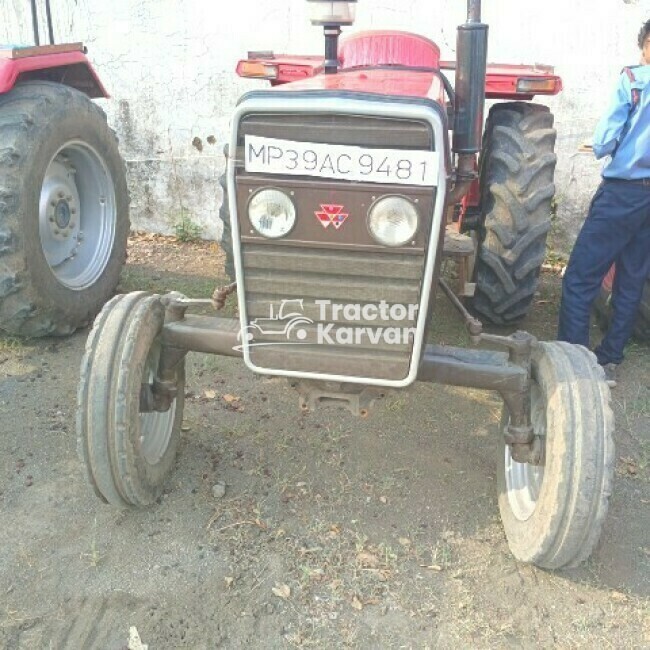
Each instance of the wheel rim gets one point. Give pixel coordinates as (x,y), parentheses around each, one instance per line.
(77,215)
(156,426)
(523,480)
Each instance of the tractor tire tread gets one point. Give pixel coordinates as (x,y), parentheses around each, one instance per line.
(112,362)
(568,520)
(518,164)
(24,114)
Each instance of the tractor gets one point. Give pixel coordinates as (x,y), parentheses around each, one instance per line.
(343,193)
(64,203)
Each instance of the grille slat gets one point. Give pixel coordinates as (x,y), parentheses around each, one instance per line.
(373,265)
(341,289)
(353,130)
(333,361)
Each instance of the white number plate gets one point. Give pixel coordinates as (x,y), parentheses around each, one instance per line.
(273,156)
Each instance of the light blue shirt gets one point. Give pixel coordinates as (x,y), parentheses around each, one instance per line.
(624,130)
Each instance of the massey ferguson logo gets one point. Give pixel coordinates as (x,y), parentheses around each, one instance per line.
(331,214)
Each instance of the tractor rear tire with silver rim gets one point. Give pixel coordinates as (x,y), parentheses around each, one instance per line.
(553,514)
(64,210)
(517,168)
(128,454)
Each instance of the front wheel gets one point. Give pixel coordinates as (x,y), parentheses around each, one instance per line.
(127,437)
(553,514)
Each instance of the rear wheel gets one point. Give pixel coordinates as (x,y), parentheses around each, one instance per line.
(127,446)
(517,168)
(553,513)
(63,210)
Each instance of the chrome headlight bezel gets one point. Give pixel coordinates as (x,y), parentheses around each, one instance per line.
(413,214)
(254,221)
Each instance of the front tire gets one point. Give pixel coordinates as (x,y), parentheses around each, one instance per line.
(64,210)
(517,168)
(553,514)
(128,454)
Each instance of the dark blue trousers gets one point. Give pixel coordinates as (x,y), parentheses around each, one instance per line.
(617,230)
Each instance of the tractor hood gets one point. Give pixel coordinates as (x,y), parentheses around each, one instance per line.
(381,81)
(384,63)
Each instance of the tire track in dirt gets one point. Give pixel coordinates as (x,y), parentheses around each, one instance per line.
(89,623)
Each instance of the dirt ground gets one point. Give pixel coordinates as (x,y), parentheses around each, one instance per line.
(334,532)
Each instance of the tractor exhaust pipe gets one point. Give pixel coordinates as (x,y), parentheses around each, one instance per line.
(37,40)
(473,11)
(471,62)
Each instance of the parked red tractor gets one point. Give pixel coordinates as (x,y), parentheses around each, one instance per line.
(64,207)
(341,188)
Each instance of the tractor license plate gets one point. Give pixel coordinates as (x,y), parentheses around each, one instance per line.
(341,162)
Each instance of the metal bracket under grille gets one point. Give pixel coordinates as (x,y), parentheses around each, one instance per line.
(358,399)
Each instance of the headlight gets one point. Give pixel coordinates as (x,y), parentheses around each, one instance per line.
(393,220)
(271,213)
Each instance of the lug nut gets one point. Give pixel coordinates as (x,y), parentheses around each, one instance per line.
(51,217)
(60,195)
(73,210)
(53,204)
(56,231)
(69,197)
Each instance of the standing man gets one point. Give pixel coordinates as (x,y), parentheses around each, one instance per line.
(617,228)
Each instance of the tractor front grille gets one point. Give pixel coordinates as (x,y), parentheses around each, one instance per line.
(274,274)
(307,265)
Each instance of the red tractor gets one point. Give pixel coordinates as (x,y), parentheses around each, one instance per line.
(506,209)
(64,206)
(342,185)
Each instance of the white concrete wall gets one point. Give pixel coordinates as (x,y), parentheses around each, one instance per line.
(169,66)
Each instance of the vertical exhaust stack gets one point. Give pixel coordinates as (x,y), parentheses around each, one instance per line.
(471,62)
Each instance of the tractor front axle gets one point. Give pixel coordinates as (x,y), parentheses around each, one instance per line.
(507,373)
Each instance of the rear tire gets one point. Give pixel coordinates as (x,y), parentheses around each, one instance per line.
(517,168)
(128,454)
(64,210)
(553,514)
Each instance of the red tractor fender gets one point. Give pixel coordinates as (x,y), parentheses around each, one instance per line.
(70,67)
(398,54)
